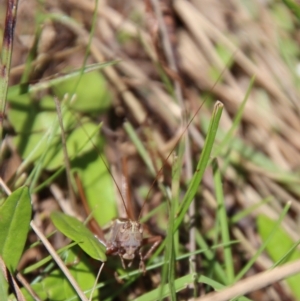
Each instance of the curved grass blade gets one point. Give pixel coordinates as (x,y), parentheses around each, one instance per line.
(226,140)
(15,90)
(15,215)
(201,166)
(76,231)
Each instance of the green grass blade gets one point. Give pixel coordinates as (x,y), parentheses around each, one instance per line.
(236,122)
(201,166)
(216,268)
(223,220)
(5,56)
(55,286)
(249,210)
(88,48)
(176,173)
(265,243)
(293,6)
(140,147)
(169,266)
(15,90)
(291,252)
(33,53)
(45,260)
(179,284)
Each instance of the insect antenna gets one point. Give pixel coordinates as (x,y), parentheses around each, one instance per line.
(166,159)
(114,180)
(96,229)
(180,137)
(105,164)
(126,189)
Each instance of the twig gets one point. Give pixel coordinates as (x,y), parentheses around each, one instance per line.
(9,278)
(6,53)
(254,283)
(27,286)
(58,260)
(4,187)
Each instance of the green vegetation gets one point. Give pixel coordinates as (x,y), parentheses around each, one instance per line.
(202,101)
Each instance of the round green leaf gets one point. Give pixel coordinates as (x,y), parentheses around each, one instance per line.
(91,92)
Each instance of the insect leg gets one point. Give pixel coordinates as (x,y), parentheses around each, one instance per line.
(155,240)
(142,263)
(123,263)
(129,264)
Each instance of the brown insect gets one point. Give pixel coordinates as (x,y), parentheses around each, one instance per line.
(126,235)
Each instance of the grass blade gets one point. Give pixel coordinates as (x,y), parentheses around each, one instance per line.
(201,166)
(223,220)
(6,53)
(169,266)
(265,243)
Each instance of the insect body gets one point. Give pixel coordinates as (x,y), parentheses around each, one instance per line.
(126,239)
(126,234)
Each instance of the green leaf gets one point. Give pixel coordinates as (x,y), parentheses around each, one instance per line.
(33,121)
(281,248)
(82,272)
(282,16)
(77,144)
(202,164)
(91,92)
(3,286)
(98,185)
(223,222)
(169,268)
(294,7)
(56,286)
(77,231)
(15,215)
